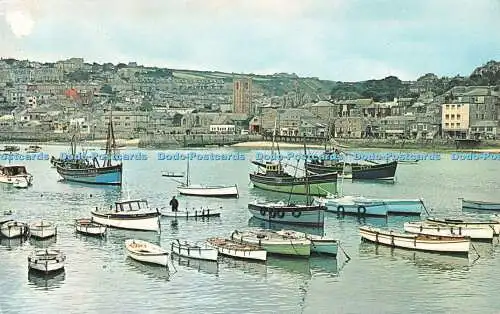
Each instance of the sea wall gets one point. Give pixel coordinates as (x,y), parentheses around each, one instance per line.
(194,140)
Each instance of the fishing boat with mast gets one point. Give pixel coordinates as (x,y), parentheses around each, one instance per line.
(289,213)
(271,176)
(93,172)
(334,160)
(188,189)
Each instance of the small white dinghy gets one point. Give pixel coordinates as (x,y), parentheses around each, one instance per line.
(146,252)
(203,252)
(192,214)
(479,232)
(43,230)
(46,261)
(456,244)
(239,250)
(20,183)
(14,229)
(89,227)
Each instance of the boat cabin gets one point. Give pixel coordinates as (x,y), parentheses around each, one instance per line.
(11,171)
(131,205)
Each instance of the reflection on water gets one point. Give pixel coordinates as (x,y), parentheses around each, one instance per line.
(41,281)
(152,271)
(296,266)
(429,261)
(324,266)
(257,223)
(11,244)
(208,267)
(45,243)
(118,236)
(247,267)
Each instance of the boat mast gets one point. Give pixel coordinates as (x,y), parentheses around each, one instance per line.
(306,178)
(187,172)
(110,139)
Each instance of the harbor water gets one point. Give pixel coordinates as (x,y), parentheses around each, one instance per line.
(99,278)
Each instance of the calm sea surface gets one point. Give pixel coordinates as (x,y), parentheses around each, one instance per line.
(99,278)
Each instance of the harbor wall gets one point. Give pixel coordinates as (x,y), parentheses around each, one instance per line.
(194,140)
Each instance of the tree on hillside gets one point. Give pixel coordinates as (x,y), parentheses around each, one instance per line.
(106,88)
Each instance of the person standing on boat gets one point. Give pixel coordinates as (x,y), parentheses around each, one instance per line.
(174,203)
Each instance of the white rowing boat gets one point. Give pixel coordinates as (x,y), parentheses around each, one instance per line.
(194,213)
(419,242)
(203,252)
(479,232)
(273,242)
(46,261)
(146,252)
(238,250)
(14,229)
(89,227)
(466,222)
(43,230)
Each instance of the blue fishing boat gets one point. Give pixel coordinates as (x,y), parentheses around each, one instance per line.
(92,171)
(358,205)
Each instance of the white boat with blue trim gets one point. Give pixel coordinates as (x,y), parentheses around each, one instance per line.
(480,205)
(359,205)
(132,214)
(234,249)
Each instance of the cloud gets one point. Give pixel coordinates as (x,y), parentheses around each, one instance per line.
(336,39)
(21,23)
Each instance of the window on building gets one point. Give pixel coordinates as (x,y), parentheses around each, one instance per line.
(447,116)
(452,116)
(127,118)
(458,125)
(446,124)
(453,125)
(458,117)
(447,106)
(452,106)
(458,106)
(482,116)
(489,129)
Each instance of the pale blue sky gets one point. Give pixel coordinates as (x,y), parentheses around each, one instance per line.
(344,40)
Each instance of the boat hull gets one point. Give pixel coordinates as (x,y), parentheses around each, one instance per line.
(17,178)
(43,230)
(193,214)
(99,176)
(324,246)
(207,254)
(87,227)
(149,222)
(319,185)
(373,207)
(313,216)
(279,245)
(46,265)
(358,172)
(228,191)
(466,204)
(236,250)
(459,246)
(14,229)
(495,225)
(158,258)
(478,232)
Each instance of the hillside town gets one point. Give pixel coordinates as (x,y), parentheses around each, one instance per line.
(74,96)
